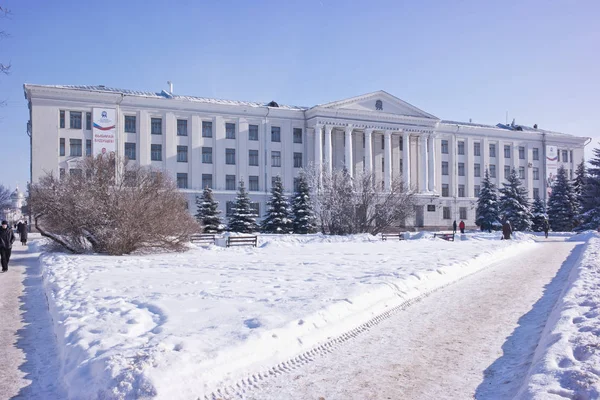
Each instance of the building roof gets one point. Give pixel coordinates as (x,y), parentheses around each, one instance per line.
(508,127)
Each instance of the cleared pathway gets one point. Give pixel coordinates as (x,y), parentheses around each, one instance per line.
(473,339)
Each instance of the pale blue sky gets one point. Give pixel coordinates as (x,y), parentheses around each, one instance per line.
(538,60)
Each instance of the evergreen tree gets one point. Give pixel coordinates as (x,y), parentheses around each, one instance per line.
(514,203)
(302,210)
(208,212)
(243,218)
(538,210)
(277,219)
(560,203)
(578,186)
(488,213)
(590,206)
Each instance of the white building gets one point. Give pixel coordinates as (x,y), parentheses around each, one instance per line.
(212,142)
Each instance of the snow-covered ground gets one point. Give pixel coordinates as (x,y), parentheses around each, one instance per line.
(181,325)
(567,361)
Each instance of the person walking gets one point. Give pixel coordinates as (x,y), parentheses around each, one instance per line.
(7,237)
(22,229)
(506,230)
(546,227)
(454,227)
(461,226)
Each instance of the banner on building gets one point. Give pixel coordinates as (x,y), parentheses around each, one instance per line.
(104,132)
(551,167)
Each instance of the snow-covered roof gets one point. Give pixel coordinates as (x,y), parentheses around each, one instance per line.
(508,127)
(166,95)
(447,122)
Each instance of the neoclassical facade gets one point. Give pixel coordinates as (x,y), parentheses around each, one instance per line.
(209,142)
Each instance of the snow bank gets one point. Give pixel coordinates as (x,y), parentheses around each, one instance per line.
(178,326)
(567,360)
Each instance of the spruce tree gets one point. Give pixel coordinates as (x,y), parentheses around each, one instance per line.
(243,217)
(578,186)
(277,219)
(488,212)
(538,210)
(560,203)
(208,212)
(514,203)
(302,210)
(590,206)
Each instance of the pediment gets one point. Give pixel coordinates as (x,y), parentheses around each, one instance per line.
(378,102)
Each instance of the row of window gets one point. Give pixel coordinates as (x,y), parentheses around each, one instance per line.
(492,170)
(75,147)
(476,191)
(75,119)
(566,154)
(230,182)
(462,212)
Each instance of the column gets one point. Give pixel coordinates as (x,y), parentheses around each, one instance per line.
(432,166)
(318,148)
(348,163)
(328,149)
(369,150)
(406,159)
(423,186)
(387,175)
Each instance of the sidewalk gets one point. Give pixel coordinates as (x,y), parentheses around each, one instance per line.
(28,357)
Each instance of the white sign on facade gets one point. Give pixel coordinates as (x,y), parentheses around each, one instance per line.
(104,132)
(551,167)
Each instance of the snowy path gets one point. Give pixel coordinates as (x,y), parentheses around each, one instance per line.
(27,343)
(473,339)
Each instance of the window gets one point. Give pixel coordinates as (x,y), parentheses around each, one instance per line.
(253,132)
(521,153)
(156,126)
(492,171)
(182,154)
(444,147)
(506,171)
(88,121)
(61,173)
(492,150)
(461,169)
(297,135)
(229,182)
(230,156)
(477,170)
(570,174)
(401,144)
(536,174)
(76,172)
(477,149)
(62,118)
(130,150)
(275,159)
(382,143)
(182,182)
(536,153)
(401,166)
(444,167)
(182,127)
(461,190)
(461,148)
(156,152)
(256,208)
(297,160)
(88,147)
(363,139)
(75,119)
(207,155)
(130,123)
(296,185)
(536,193)
(253,183)
(75,147)
(445,190)
(382,164)
(275,134)
(565,156)
(207,181)
(253,157)
(571,155)
(229,130)
(477,190)
(558,154)
(521,172)
(462,212)
(207,129)
(229,208)
(506,151)
(61,147)
(430,207)
(446,212)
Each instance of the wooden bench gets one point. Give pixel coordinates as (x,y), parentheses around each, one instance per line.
(208,238)
(386,236)
(444,235)
(242,241)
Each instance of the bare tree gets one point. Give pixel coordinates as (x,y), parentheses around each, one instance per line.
(4,13)
(111,206)
(4,197)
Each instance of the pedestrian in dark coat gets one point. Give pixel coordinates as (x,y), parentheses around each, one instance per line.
(506,230)
(22,229)
(7,237)
(454,227)
(461,226)
(546,227)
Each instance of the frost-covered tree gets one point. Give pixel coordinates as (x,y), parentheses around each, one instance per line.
(488,211)
(590,205)
(302,209)
(538,210)
(278,218)
(243,217)
(514,203)
(560,204)
(208,212)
